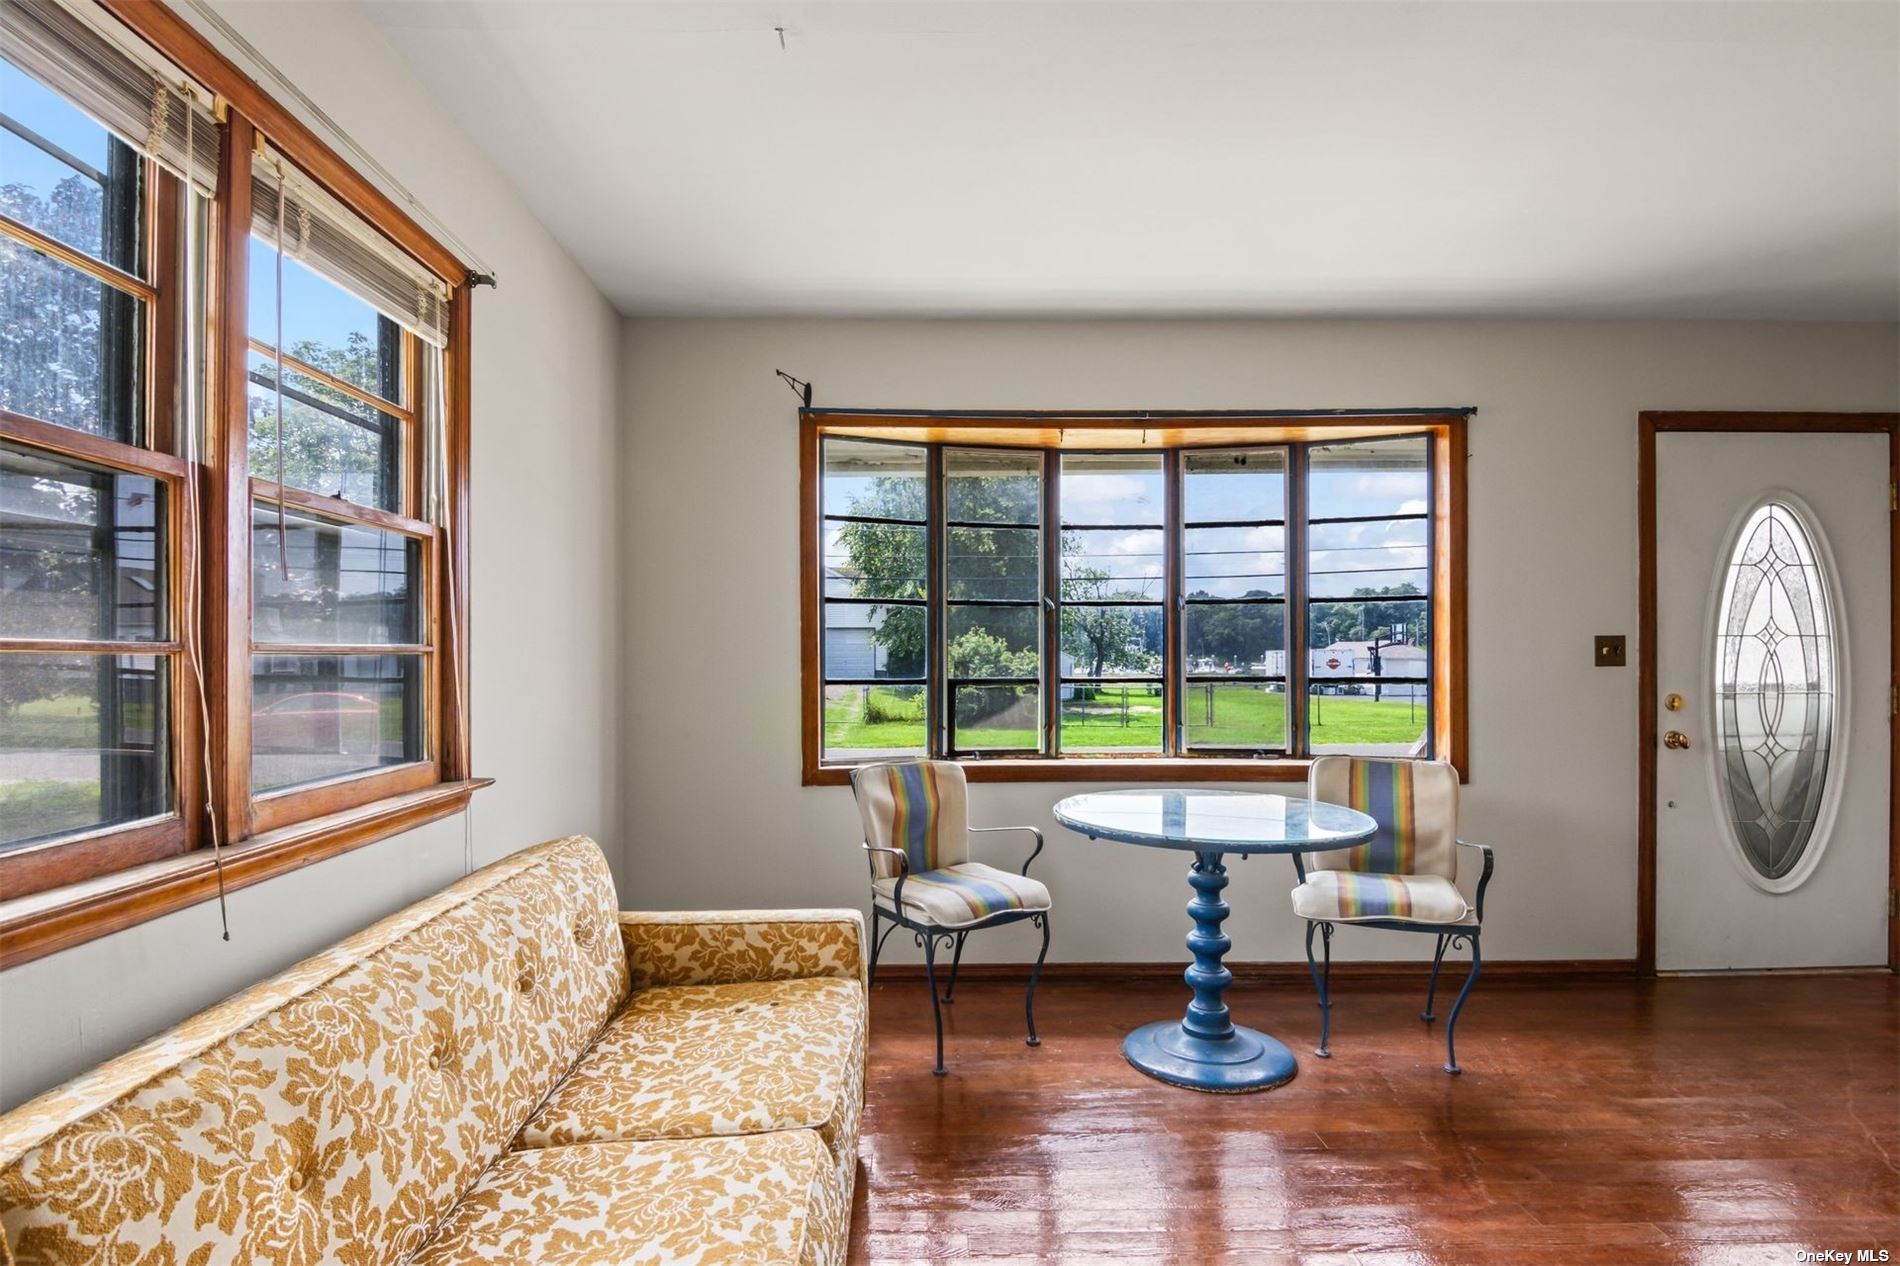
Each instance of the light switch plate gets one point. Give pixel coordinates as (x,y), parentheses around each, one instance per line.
(1612,650)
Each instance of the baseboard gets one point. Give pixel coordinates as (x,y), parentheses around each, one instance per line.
(1546,969)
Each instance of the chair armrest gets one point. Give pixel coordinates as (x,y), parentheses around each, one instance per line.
(1033,853)
(728,947)
(1484,878)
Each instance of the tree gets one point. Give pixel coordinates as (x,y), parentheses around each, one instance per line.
(1237,634)
(1356,619)
(1106,637)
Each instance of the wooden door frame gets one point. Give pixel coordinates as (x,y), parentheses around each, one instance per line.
(1649,425)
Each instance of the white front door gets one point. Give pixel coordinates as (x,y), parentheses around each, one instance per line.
(1773,623)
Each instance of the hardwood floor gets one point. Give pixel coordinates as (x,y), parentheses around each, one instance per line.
(1707,1121)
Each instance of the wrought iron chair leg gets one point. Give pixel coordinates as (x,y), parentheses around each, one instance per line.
(1035,974)
(936,1006)
(877,944)
(1321,982)
(1438,958)
(1451,1024)
(956,961)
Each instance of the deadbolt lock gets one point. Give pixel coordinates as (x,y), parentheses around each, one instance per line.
(1673,702)
(1676,740)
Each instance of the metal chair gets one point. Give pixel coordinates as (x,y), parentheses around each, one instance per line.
(917,840)
(1403,879)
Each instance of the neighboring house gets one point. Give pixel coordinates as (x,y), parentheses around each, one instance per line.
(849,650)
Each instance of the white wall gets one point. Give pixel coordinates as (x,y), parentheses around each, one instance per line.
(545,575)
(712,589)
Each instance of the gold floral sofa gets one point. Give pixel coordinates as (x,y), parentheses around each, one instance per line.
(513,1070)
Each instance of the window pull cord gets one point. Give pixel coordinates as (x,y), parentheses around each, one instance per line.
(277,351)
(191,615)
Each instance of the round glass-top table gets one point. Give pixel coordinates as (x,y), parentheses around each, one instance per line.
(1205,1049)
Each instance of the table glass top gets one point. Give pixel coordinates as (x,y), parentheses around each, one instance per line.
(1215,821)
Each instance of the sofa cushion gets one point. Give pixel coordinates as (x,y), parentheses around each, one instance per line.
(691,1060)
(333,1114)
(759,1198)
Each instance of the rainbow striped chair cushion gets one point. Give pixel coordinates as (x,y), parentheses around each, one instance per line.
(1344,896)
(1415,804)
(921,808)
(962,895)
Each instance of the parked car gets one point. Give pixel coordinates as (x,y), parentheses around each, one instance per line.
(318,721)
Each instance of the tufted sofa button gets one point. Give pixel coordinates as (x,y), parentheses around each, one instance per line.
(525,982)
(584,932)
(298,1179)
(435,1061)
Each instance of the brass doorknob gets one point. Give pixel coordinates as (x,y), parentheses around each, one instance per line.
(1675,740)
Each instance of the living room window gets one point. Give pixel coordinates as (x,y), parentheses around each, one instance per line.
(1079,597)
(233,413)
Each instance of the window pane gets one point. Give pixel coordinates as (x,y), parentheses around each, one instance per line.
(323,716)
(997,718)
(1111,717)
(877,481)
(863,640)
(65,175)
(81,550)
(999,564)
(1377,558)
(995,641)
(872,722)
(1239,637)
(1235,714)
(334,445)
(1368,477)
(1242,485)
(325,326)
(1237,562)
(1113,488)
(875,560)
(347,584)
(1360,635)
(988,487)
(82,743)
(1111,641)
(70,346)
(1113,564)
(1389,719)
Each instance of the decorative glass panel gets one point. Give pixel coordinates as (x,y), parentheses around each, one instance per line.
(1775,677)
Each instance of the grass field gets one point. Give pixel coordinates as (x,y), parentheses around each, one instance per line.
(46,806)
(1230,715)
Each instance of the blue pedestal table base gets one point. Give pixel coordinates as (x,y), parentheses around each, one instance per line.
(1206,1050)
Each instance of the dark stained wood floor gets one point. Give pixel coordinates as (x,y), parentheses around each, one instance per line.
(1705,1121)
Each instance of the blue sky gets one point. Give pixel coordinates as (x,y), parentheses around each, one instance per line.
(314,309)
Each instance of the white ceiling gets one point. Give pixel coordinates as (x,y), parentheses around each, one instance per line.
(1325,157)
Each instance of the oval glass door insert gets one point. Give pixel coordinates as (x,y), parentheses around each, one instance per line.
(1775,674)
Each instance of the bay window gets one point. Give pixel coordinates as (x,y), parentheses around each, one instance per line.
(1087,597)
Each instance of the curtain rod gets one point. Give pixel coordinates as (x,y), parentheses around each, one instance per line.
(1141,415)
(245,54)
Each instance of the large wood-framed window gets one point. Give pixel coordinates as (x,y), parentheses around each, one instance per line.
(1131,596)
(233,473)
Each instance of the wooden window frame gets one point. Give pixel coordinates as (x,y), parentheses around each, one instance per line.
(71,889)
(1171,433)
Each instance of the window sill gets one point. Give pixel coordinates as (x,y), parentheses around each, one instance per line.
(43,923)
(1144,769)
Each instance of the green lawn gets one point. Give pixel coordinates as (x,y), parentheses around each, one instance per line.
(44,806)
(1235,715)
